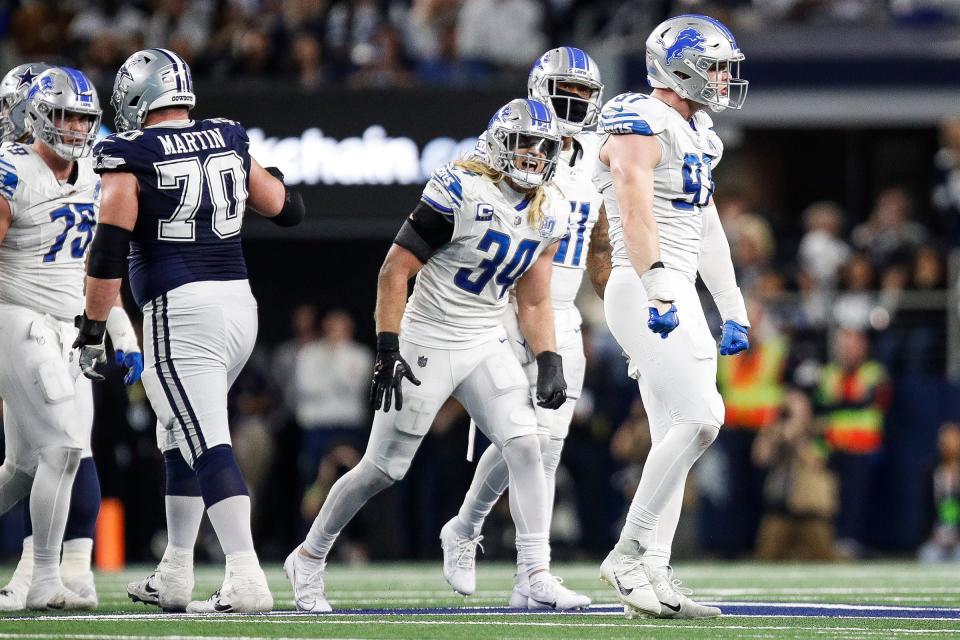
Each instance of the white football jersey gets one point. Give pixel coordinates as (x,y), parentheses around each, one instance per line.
(462,290)
(574,179)
(682,181)
(42,262)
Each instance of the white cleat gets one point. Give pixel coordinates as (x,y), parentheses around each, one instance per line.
(308,587)
(244,590)
(626,574)
(459,559)
(82,584)
(52,595)
(169,587)
(13,597)
(521,591)
(547,592)
(674,597)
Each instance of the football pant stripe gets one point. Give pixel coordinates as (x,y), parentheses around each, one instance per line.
(161,375)
(176,379)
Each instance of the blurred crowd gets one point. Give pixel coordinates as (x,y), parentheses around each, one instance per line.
(386,43)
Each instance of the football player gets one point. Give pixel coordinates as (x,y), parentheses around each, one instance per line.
(48,212)
(567,79)
(656,158)
(480,227)
(174,195)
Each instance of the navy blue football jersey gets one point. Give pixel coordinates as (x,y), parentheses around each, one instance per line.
(194,178)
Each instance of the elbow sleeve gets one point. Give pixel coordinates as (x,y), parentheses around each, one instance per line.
(293,211)
(108,253)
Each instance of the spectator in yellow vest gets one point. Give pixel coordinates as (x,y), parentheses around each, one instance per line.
(852,398)
(752,386)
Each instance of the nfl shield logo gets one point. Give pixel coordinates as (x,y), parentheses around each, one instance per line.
(422,361)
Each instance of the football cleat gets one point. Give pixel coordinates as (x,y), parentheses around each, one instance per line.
(459,559)
(547,592)
(244,590)
(308,587)
(52,595)
(82,584)
(521,591)
(626,574)
(169,587)
(674,597)
(13,598)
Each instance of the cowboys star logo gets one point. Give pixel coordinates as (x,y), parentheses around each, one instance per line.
(26,78)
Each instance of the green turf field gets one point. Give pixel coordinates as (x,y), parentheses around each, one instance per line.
(766,601)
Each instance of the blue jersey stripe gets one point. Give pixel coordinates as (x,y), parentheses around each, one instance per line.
(176,66)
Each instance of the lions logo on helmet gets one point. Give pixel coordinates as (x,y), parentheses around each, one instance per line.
(697,57)
(58,95)
(567,65)
(523,142)
(13,99)
(150,79)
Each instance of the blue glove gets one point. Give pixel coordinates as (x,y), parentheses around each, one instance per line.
(133,362)
(663,324)
(733,339)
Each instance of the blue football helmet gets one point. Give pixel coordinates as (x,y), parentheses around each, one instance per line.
(698,58)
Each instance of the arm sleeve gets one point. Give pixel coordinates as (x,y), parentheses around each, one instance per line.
(424,232)
(716,269)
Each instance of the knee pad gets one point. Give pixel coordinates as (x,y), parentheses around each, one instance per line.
(219,475)
(14,486)
(702,435)
(66,458)
(374,476)
(180,478)
(522,450)
(550,451)
(84,502)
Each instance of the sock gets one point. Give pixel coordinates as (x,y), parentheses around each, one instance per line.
(345,499)
(664,474)
(23,574)
(76,557)
(657,555)
(533,553)
(183,502)
(226,498)
(490,480)
(49,505)
(84,502)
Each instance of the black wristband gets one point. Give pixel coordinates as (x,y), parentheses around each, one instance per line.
(388,341)
(657,265)
(549,358)
(293,210)
(89,331)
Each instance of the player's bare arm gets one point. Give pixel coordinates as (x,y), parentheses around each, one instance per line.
(108,253)
(535,314)
(632,159)
(534,306)
(267,191)
(600,255)
(398,267)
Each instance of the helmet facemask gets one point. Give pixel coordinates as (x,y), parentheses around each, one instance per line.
(574,112)
(724,89)
(50,126)
(529,159)
(6,120)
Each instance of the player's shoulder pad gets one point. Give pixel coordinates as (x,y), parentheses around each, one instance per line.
(589,142)
(118,152)
(444,190)
(11,159)
(228,127)
(633,113)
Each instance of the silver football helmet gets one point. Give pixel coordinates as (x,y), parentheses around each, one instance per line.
(697,56)
(150,79)
(57,95)
(567,65)
(13,99)
(523,142)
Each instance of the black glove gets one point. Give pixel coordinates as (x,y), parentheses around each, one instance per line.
(388,372)
(551,385)
(275,172)
(90,342)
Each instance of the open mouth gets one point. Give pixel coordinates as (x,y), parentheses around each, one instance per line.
(531,165)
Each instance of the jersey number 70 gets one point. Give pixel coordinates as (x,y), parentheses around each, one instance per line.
(228,198)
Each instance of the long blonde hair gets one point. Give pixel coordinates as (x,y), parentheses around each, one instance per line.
(535,212)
